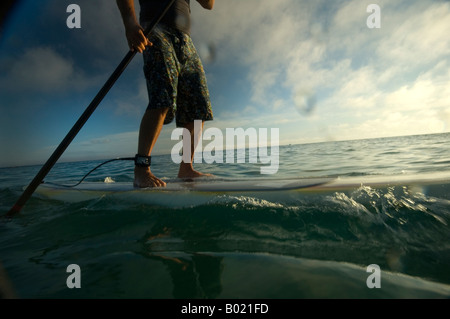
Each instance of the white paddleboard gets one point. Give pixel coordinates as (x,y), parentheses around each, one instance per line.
(179,193)
(207,185)
(176,193)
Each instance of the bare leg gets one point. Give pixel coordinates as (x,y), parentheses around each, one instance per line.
(149,131)
(187,169)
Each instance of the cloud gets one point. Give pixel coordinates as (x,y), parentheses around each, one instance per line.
(375,81)
(38,69)
(356,83)
(108,146)
(43,70)
(418,34)
(133,105)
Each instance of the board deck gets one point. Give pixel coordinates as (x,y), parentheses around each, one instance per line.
(200,185)
(202,190)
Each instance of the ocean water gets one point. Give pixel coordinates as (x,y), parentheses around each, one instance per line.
(273,245)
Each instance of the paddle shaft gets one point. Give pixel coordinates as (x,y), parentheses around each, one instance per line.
(81,121)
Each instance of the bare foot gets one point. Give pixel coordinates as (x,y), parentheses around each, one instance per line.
(187,171)
(143,178)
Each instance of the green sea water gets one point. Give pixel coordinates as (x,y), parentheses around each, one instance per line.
(277,245)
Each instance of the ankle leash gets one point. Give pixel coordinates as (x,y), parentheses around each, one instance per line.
(142,161)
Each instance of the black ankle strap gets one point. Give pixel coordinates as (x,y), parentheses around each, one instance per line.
(142,161)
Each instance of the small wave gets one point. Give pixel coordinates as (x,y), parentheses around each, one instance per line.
(246,202)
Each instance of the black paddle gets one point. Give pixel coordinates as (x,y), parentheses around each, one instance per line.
(81,121)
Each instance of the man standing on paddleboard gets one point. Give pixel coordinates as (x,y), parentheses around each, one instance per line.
(176,81)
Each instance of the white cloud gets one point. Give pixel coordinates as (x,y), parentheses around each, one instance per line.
(43,70)
(365,82)
(39,69)
(134,105)
(108,146)
(418,34)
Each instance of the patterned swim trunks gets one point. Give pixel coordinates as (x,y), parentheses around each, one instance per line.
(176,78)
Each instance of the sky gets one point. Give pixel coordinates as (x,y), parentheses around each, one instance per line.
(313,69)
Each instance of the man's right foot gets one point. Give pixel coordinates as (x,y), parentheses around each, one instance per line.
(144,178)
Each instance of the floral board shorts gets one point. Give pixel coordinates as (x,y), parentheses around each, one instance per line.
(176,78)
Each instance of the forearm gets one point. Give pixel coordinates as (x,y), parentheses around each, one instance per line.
(207,4)
(127,11)
(133,30)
